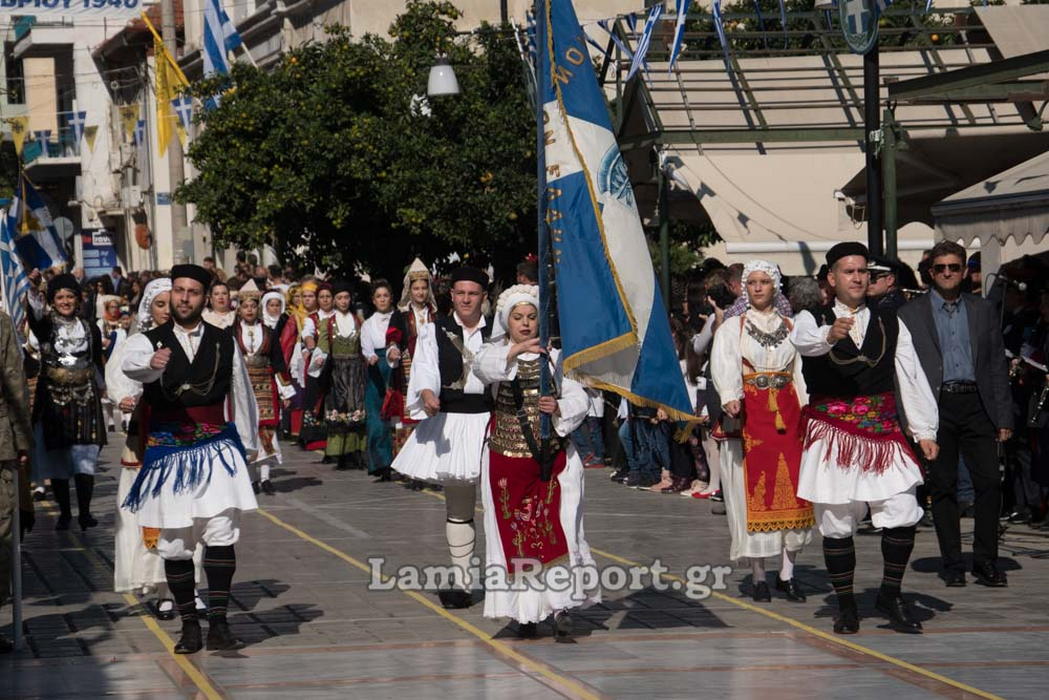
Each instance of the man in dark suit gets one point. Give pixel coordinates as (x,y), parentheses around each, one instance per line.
(959,344)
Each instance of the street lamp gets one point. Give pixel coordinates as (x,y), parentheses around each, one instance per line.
(442,79)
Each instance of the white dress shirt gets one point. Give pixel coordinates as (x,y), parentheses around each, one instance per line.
(373,333)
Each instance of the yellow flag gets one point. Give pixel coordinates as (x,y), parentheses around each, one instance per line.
(129,119)
(168,84)
(90,133)
(19,130)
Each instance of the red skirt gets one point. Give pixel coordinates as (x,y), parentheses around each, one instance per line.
(527,509)
(772,446)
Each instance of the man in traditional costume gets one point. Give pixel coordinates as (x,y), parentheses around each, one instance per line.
(855,452)
(531,526)
(757,374)
(416,309)
(447,446)
(339,363)
(69,429)
(194,482)
(260,348)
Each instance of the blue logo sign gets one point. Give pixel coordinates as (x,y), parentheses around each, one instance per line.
(613,177)
(859,24)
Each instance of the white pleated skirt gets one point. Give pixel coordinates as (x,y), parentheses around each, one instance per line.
(445,447)
(745,544)
(531,605)
(823,480)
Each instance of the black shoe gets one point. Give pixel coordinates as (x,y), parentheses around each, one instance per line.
(384,474)
(790,589)
(86,520)
(526,630)
(987,574)
(6,645)
(761,593)
(620,475)
(267,487)
(220,637)
(847,621)
(954,578)
(455,598)
(717,497)
(63,522)
(255,487)
(898,612)
(1020,516)
(563,624)
(328,459)
(162,611)
(342,464)
(190,642)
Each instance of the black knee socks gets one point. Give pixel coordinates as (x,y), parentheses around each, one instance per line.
(85,487)
(219,565)
(60,487)
(840,557)
(180,582)
(896,546)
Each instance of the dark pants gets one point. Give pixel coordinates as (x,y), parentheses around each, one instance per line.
(965,430)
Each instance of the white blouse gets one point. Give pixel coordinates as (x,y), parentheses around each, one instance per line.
(373,333)
(732,343)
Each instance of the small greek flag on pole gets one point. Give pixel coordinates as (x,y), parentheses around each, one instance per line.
(679,32)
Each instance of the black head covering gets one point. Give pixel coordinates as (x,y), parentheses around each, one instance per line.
(470,274)
(339,286)
(63,281)
(193,272)
(880,263)
(844,250)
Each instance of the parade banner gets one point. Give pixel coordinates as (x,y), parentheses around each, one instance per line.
(80,9)
(615,329)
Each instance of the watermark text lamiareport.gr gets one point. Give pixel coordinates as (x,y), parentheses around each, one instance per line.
(697,582)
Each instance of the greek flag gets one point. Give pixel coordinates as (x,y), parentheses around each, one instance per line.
(719,26)
(882,5)
(16,285)
(183,107)
(140,132)
(37,241)
(646,40)
(679,32)
(614,327)
(76,121)
(623,48)
(220,37)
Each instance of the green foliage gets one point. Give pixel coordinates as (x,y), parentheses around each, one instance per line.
(324,156)
(8,169)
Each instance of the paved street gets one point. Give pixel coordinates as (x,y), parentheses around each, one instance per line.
(314,630)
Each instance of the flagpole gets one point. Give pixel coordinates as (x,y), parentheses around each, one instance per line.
(545,282)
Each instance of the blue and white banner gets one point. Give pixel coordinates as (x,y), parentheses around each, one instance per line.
(76,121)
(641,50)
(183,106)
(81,9)
(220,37)
(615,329)
(140,132)
(679,32)
(15,282)
(36,240)
(623,48)
(719,27)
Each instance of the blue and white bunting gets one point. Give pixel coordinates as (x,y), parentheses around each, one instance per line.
(679,32)
(614,326)
(43,136)
(36,240)
(719,26)
(623,48)
(76,122)
(140,132)
(16,284)
(220,37)
(641,50)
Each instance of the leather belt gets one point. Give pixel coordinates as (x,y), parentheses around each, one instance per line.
(959,387)
(768,380)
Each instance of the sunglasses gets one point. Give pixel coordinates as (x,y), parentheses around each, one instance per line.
(941,268)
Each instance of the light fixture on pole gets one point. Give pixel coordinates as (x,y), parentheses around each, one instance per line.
(442,79)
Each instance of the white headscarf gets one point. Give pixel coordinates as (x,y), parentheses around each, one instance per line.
(153,289)
(761,266)
(511,297)
(271,321)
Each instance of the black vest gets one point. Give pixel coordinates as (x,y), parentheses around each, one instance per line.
(205,381)
(450,362)
(839,373)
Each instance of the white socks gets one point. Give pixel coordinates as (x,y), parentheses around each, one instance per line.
(786,569)
(461,547)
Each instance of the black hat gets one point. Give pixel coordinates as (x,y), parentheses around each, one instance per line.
(470,274)
(844,250)
(339,286)
(63,281)
(879,263)
(193,272)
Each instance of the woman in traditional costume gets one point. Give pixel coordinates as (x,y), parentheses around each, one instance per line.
(416,308)
(220,306)
(269,380)
(290,335)
(757,374)
(338,353)
(373,345)
(314,435)
(531,525)
(69,428)
(113,335)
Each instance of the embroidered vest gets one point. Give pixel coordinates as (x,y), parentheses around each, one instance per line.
(204,382)
(847,371)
